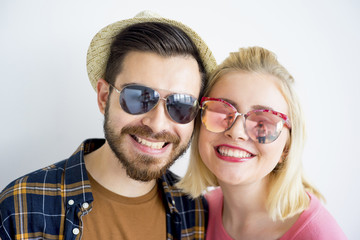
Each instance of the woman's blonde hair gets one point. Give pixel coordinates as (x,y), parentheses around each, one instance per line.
(287,185)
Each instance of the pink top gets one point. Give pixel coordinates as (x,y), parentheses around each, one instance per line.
(314,223)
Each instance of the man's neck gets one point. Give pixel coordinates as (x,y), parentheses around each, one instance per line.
(107,170)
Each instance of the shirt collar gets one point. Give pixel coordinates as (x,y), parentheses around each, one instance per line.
(167,181)
(77,189)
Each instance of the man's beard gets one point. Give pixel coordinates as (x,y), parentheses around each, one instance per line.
(141,167)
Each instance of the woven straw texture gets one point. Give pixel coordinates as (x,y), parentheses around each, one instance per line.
(99,49)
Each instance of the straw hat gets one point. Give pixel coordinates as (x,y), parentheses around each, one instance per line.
(99,49)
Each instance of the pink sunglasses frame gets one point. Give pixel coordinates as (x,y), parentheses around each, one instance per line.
(279,114)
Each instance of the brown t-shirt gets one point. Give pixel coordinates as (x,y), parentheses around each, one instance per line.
(117,217)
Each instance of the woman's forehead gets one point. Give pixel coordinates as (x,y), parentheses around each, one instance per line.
(248,90)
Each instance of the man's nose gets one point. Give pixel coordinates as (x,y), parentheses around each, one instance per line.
(157,118)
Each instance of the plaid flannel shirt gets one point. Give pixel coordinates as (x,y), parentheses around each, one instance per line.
(49,203)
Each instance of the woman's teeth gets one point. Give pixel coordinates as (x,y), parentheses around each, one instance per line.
(231,152)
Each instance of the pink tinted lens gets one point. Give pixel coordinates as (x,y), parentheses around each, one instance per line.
(264,127)
(217,116)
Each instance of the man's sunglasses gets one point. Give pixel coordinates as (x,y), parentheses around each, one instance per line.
(263,126)
(137,99)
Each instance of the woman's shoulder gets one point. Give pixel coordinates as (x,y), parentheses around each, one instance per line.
(316,222)
(215,229)
(215,202)
(214,196)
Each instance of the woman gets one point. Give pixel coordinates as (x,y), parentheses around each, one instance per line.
(249,142)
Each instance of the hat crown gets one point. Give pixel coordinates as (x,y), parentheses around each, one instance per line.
(147,14)
(99,49)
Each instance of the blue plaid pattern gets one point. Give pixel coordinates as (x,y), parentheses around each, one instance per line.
(49,203)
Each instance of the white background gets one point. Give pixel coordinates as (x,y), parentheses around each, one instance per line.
(48,106)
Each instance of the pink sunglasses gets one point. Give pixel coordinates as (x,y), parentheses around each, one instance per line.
(263,125)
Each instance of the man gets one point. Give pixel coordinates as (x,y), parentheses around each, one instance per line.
(120,188)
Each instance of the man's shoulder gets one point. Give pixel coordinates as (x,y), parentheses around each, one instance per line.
(70,172)
(178,197)
(34,181)
(168,182)
(34,200)
(170,178)
(190,214)
(24,198)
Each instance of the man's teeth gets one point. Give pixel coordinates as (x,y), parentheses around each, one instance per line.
(231,152)
(154,145)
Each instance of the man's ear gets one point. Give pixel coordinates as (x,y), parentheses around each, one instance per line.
(102,89)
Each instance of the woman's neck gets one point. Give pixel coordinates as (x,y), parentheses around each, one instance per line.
(245,215)
(244,201)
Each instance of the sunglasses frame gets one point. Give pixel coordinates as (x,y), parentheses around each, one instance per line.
(284,117)
(160,98)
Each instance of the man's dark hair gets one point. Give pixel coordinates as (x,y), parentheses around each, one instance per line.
(160,38)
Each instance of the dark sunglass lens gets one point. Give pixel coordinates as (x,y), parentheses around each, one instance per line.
(182,108)
(136,99)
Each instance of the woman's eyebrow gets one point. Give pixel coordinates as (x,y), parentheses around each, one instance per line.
(231,102)
(258,107)
(253,107)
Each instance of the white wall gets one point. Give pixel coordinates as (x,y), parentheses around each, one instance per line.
(48,106)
